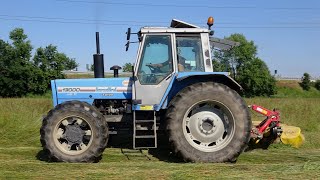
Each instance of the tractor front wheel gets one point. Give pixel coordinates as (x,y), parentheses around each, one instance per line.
(74,132)
(208,122)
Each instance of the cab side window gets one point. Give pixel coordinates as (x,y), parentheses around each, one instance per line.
(189,54)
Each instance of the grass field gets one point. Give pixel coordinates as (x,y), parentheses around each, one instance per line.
(20,120)
(291,88)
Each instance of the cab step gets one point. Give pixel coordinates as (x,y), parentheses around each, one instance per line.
(144,129)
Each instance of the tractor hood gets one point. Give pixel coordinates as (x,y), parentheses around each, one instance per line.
(90,89)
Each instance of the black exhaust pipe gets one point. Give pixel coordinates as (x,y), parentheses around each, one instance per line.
(115,69)
(98,64)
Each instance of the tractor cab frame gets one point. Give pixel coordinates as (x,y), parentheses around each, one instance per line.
(174,53)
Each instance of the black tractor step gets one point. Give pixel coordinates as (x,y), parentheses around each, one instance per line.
(145,136)
(144,129)
(144,121)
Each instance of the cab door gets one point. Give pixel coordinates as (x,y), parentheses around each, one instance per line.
(155,68)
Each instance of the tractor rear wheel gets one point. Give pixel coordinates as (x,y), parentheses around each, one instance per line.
(74,131)
(208,122)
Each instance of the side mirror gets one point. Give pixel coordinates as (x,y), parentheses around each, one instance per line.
(127,45)
(139,36)
(128,34)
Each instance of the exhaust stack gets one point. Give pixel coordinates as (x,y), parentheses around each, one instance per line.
(98,60)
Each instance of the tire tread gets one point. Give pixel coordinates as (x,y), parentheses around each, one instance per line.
(235,148)
(100,142)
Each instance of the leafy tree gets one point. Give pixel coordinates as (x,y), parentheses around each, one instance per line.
(220,63)
(255,78)
(71,64)
(52,62)
(36,80)
(246,68)
(235,58)
(18,76)
(91,68)
(22,46)
(317,84)
(127,67)
(305,82)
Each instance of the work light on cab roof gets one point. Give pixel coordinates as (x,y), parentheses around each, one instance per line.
(210,22)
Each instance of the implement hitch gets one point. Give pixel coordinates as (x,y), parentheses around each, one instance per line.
(267,131)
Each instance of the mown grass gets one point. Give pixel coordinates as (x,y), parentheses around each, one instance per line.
(259,164)
(20,120)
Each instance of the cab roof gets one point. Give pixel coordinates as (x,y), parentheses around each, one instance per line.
(176,26)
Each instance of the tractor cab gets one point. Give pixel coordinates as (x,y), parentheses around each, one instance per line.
(181,49)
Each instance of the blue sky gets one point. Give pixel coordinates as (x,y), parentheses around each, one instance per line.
(286,32)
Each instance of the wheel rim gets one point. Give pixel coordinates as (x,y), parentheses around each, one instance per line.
(73,135)
(208,125)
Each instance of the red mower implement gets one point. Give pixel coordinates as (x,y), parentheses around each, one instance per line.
(266,132)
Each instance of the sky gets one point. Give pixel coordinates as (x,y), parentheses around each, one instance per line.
(287,32)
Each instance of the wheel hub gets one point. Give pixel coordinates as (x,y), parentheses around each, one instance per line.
(74,134)
(207,126)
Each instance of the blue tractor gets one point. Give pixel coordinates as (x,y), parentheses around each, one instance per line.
(173,89)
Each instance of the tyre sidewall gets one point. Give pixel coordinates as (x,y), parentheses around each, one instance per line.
(212,92)
(98,129)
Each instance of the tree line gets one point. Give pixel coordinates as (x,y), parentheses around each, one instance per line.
(21,73)
(306,83)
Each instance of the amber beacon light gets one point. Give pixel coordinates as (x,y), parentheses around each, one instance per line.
(210,21)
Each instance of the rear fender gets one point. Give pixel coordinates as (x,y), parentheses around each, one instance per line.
(186,79)
(222,77)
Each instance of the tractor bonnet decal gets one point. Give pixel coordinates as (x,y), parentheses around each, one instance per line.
(94,89)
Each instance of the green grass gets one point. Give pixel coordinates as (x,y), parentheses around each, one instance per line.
(286,164)
(47,95)
(20,120)
(291,88)
(79,76)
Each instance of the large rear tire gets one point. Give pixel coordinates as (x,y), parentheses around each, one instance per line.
(74,131)
(208,122)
